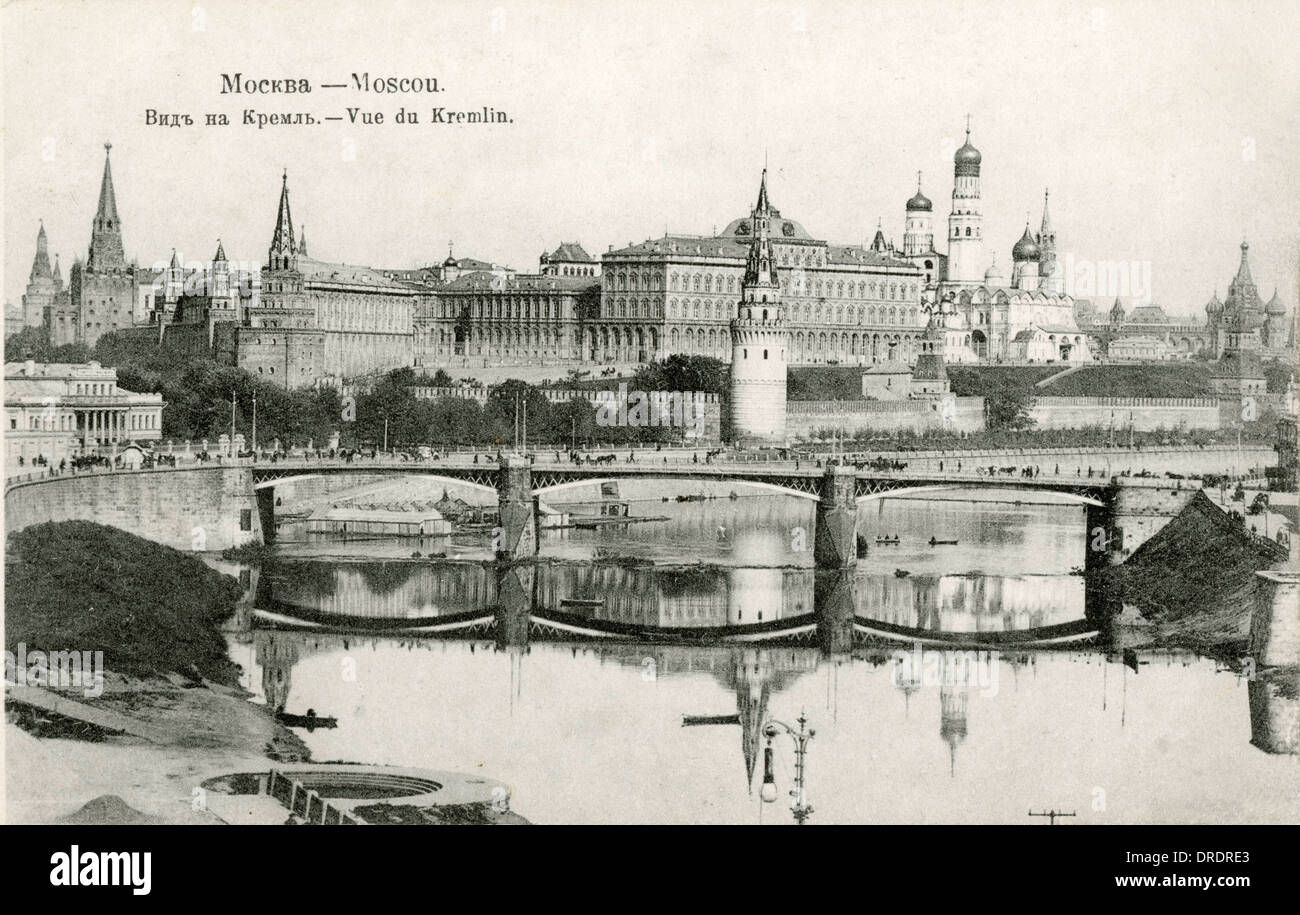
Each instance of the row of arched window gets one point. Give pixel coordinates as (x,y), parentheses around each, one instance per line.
(799,285)
(624,282)
(702,282)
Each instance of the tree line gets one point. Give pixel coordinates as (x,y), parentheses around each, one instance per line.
(200,393)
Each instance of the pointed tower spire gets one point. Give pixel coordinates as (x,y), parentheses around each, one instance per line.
(878,242)
(106,232)
(283,245)
(1046,228)
(760,267)
(1243,271)
(41,263)
(302,241)
(762,206)
(107,199)
(220,256)
(58,274)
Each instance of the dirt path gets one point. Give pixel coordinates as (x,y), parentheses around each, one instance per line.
(200,732)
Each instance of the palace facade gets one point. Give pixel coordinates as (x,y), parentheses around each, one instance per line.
(844,304)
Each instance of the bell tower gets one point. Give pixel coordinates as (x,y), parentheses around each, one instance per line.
(966,223)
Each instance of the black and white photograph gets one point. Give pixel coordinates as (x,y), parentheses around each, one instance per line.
(681,413)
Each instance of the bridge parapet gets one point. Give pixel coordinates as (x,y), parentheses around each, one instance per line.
(206,507)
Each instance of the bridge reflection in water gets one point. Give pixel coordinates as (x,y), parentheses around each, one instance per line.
(605,600)
(754,632)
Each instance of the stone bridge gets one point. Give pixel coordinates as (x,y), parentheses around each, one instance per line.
(213,506)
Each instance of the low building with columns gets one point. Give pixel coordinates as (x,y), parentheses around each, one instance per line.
(56,410)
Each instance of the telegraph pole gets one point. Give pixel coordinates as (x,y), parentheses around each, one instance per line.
(1052,815)
(254,421)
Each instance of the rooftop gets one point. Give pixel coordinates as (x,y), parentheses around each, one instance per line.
(571,252)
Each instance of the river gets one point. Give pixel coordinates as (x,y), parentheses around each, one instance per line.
(587,726)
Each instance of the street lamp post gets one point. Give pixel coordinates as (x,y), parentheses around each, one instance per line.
(799,805)
(254,422)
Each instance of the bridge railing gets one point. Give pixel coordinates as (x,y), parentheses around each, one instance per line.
(684,460)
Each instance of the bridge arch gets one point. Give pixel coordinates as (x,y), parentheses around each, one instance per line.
(1064,496)
(685,480)
(272,482)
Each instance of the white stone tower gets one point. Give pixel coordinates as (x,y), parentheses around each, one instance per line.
(759,341)
(966,259)
(918,225)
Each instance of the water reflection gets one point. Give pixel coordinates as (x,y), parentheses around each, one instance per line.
(570,679)
(593,731)
(637,597)
(1006,536)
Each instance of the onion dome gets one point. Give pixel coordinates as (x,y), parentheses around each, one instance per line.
(1026,249)
(1214,306)
(919,201)
(1275,306)
(994,276)
(967,158)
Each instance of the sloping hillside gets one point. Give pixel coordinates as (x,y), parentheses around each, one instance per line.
(152,610)
(1178,379)
(1196,578)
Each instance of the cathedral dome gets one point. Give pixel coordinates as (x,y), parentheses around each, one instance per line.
(1214,306)
(1275,306)
(1026,249)
(919,202)
(994,275)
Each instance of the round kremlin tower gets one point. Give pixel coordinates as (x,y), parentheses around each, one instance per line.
(759,341)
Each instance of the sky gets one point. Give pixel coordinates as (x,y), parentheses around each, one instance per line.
(1166,131)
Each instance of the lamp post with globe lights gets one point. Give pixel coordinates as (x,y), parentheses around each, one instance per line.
(799,805)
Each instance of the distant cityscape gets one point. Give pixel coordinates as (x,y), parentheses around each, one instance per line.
(764,295)
(302,321)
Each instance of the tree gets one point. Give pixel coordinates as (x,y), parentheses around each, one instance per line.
(684,373)
(1008,409)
